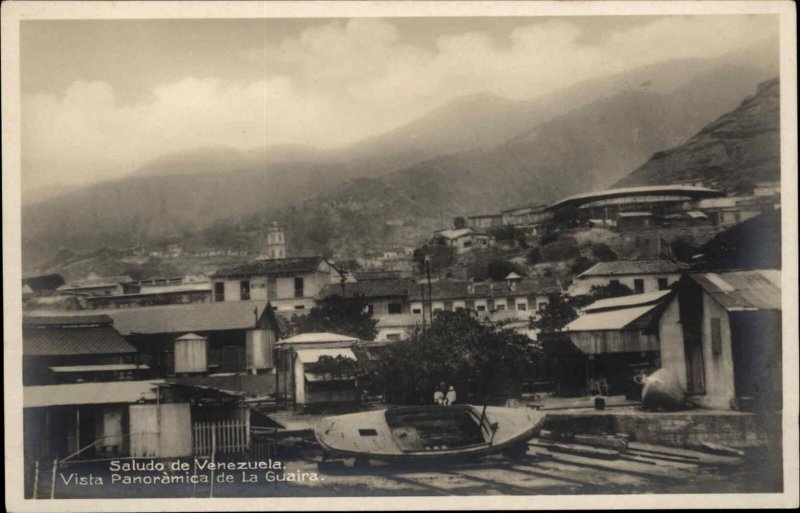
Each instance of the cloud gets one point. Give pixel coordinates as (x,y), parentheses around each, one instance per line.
(337,82)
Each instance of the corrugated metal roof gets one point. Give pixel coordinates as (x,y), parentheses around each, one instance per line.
(59,341)
(608,320)
(627,301)
(742,290)
(623,267)
(368,289)
(635,214)
(313,355)
(198,317)
(294,265)
(88,393)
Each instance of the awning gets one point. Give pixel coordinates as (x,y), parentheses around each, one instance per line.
(312,377)
(88,393)
(313,355)
(111,367)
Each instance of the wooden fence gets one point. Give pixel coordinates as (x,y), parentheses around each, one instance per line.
(225,436)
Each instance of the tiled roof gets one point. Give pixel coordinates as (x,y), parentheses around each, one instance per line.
(624,267)
(743,290)
(368,288)
(197,317)
(294,265)
(475,290)
(67,320)
(43,340)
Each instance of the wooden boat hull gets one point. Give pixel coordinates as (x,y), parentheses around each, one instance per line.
(428,432)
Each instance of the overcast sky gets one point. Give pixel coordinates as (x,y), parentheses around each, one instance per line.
(100,98)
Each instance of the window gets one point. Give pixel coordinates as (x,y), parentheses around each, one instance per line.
(716,336)
(299,307)
(638,285)
(490,304)
(448,306)
(522,307)
(394,337)
(469,305)
(501,306)
(219,291)
(542,306)
(370,310)
(272,288)
(481,308)
(662,284)
(467,244)
(416,310)
(244,287)
(298,287)
(437,310)
(395,308)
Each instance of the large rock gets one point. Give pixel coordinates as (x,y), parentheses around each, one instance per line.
(663,391)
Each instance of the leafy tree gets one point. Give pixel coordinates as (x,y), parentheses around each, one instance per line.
(480,360)
(337,314)
(581,264)
(559,311)
(602,253)
(534,256)
(499,268)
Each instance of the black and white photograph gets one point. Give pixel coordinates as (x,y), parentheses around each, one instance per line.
(407,255)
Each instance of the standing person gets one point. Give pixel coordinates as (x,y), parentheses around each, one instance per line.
(438,397)
(450,398)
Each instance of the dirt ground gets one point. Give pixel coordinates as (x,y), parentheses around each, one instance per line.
(642,468)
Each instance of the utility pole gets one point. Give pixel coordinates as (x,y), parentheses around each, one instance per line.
(430,294)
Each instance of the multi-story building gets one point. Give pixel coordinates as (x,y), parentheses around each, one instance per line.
(288,283)
(639,275)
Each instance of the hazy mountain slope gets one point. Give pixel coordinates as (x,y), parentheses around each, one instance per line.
(479,153)
(734,152)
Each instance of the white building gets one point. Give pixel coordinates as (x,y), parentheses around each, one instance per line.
(639,275)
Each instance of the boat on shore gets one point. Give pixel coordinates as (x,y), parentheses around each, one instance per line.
(421,433)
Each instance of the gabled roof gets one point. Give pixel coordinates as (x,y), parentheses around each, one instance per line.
(743,290)
(368,288)
(626,267)
(295,265)
(79,335)
(197,317)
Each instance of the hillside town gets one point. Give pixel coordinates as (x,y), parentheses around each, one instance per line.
(444,255)
(161,366)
